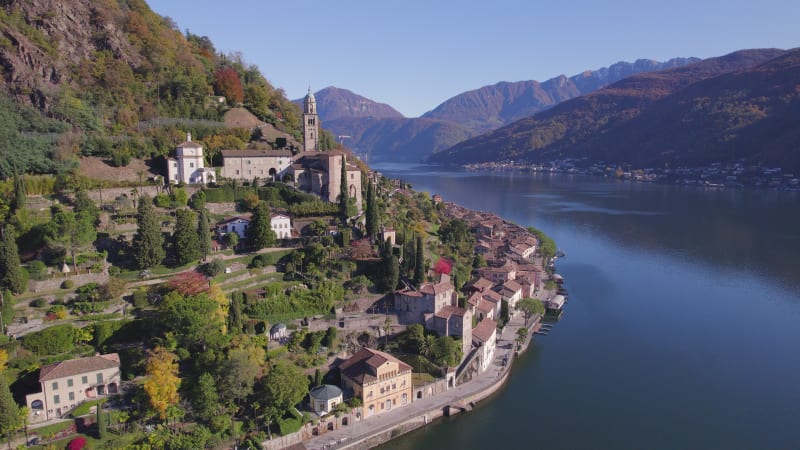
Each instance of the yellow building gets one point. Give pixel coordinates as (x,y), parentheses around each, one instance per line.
(382,381)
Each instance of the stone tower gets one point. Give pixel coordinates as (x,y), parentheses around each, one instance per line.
(310,124)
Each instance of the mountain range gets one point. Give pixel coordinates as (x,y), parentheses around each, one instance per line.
(738,107)
(377,130)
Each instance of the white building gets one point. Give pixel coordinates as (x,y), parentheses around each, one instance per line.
(69,383)
(189,166)
(484,337)
(282,225)
(236,225)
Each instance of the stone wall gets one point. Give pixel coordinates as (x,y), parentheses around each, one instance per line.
(55,282)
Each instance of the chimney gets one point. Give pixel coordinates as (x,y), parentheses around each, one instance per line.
(188,137)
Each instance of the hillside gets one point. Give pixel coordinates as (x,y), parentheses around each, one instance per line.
(106,78)
(399,139)
(639,118)
(491,107)
(335,103)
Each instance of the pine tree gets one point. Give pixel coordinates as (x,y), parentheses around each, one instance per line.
(187,244)
(9,412)
(419,263)
(12,276)
(259,233)
(204,232)
(148,243)
(372,211)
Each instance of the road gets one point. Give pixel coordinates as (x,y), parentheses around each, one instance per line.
(346,435)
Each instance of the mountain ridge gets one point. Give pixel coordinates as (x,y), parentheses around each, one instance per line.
(602,125)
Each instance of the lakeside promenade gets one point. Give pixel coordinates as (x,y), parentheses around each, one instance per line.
(375,430)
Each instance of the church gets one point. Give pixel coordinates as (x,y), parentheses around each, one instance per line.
(310,170)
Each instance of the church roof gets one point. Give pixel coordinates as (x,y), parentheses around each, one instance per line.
(255,153)
(188,144)
(325,392)
(310,95)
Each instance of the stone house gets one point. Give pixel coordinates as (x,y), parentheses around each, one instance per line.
(412,306)
(281,224)
(236,225)
(380,380)
(69,383)
(511,291)
(324,398)
(455,322)
(249,164)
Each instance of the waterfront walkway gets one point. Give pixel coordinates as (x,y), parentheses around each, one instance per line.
(353,434)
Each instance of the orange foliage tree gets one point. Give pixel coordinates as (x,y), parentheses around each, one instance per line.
(227,83)
(162,380)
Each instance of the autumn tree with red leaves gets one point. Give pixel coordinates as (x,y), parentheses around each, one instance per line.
(189,283)
(228,84)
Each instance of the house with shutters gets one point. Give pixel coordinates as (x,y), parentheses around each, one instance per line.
(67,384)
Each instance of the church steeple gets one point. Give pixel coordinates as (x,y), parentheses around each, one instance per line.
(310,123)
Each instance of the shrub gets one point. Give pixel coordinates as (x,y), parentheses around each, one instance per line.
(114,271)
(77,444)
(140,298)
(67,284)
(37,270)
(39,303)
(213,268)
(50,341)
(162,201)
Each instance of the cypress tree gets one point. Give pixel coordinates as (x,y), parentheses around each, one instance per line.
(148,243)
(101,422)
(9,412)
(235,314)
(372,212)
(419,263)
(204,232)
(343,191)
(259,233)
(187,244)
(20,192)
(12,276)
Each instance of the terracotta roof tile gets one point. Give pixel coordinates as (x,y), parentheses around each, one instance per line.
(78,366)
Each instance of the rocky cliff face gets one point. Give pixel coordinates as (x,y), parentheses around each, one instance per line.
(41,41)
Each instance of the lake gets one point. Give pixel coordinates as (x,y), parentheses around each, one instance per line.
(683,323)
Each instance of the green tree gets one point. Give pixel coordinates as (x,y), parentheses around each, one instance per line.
(522,334)
(419,263)
(205,398)
(259,233)
(71,231)
(203,232)
(9,412)
(330,337)
(530,306)
(83,203)
(372,212)
(193,320)
(284,386)
(390,267)
(148,243)
(187,245)
(237,376)
(232,240)
(102,422)
(12,276)
(198,201)
(446,352)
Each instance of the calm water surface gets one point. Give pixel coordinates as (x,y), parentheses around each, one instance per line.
(683,323)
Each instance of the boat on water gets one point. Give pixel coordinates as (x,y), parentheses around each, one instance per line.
(558,278)
(560,254)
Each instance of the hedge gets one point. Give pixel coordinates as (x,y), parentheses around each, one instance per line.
(51,341)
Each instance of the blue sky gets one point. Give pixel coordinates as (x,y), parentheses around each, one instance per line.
(415,54)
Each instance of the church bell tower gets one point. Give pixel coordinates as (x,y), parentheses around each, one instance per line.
(310,123)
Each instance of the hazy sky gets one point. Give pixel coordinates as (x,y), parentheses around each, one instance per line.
(415,54)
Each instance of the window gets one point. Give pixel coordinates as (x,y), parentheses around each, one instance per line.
(69,382)
(352,176)
(237,172)
(100,377)
(175,165)
(55,385)
(247,161)
(56,399)
(72,396)
(191,165)
(85,379)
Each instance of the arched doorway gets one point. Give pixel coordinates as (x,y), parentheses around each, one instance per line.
(273,174)
(419,394)
(330,426)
